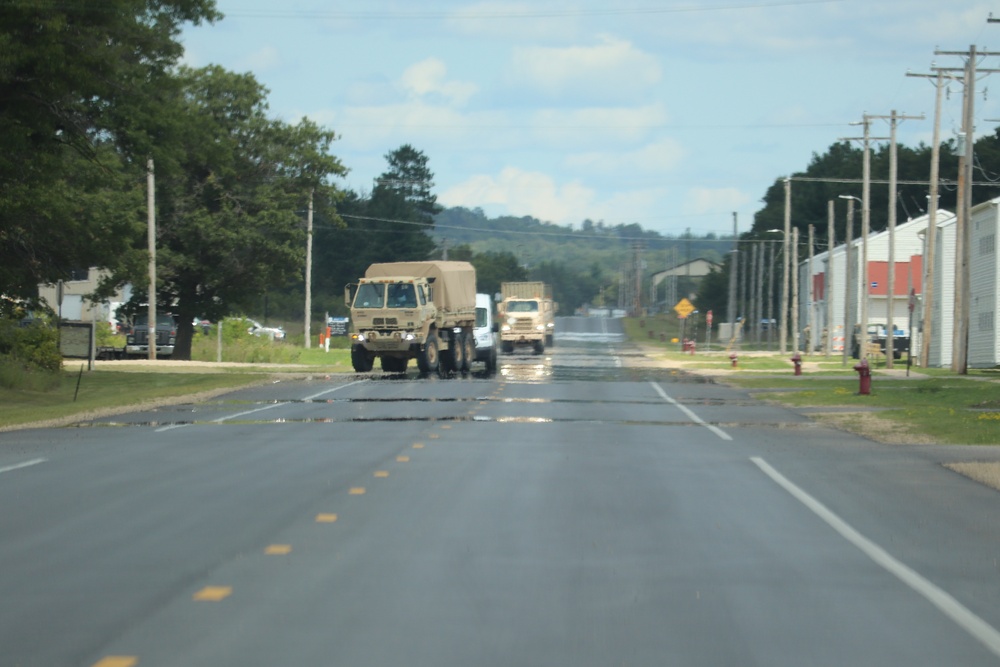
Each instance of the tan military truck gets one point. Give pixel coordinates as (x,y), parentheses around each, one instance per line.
(527,316)
(414,310)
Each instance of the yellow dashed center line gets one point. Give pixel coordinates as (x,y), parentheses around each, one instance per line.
(418,445)
(434,436)
(117,661)
(357,491)
(213,593)
(445,426)
(402,459)
(278,549)
(326,518)
(381,473)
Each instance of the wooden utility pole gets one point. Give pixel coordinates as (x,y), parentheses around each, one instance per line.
(151,244)
(890,326)
(850,289)
(794,261)
(828,280)
(811,294)
(783,315)
(733,266)
(309,257)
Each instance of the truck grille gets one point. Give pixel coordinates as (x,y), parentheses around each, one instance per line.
(385,321)
(523,326)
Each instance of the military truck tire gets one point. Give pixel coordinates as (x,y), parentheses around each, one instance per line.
(468,351)
(454,356)
(539,347)
(549,338)
(508,347)
(361,360)
(428,359)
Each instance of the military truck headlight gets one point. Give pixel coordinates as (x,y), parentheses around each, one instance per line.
(409,336)
(551,325)
(540,327)
(505,327)
(360,338)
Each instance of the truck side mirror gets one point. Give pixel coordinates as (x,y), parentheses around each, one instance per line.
(495,328)
(349,291)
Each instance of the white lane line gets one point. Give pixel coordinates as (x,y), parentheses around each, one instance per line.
(691,415)
(952,608)
(26,464)
(265,407)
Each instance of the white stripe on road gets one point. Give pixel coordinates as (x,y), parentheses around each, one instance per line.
(945,603)
(265,407)
(691,415)
(26,464)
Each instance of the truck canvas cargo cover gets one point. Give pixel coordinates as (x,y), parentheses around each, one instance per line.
(454,282)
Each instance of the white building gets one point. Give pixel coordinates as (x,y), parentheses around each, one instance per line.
(943,302)
(984,285)
(827,279)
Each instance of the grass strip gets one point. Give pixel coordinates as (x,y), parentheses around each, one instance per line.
(105,390)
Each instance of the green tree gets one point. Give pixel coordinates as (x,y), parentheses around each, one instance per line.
(75,79)
(231,198)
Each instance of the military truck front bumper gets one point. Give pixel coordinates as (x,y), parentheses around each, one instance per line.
(386,341)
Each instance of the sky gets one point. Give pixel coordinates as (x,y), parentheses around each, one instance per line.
(673,114)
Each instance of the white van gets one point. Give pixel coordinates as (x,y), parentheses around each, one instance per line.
(486,332)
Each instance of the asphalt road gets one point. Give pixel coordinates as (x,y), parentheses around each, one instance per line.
(578,508)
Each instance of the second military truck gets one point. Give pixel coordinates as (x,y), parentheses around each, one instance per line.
(414,310)
(527,316)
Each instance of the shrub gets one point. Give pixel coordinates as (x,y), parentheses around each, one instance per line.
(35,346)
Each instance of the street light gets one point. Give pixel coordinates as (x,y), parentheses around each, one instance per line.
(864,276)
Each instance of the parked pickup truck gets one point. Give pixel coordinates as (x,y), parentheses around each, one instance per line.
(877,337)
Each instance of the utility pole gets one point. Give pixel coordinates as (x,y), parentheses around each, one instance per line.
(758,310)
(866,180)
(828,281)
(733,265)
(811,295)
(783,331)
(151,243)
(794,260)
(891,278)
(960,339)
(309,260)
(927,286)
(849,288)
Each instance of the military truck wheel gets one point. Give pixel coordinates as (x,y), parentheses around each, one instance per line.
(428,359)
(469,351)
(508,347)
(394,364)
(549,340)
(361,360)
(454,356)
(539,347)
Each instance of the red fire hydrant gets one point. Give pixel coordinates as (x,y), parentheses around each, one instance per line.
(797,360)
(691,346)
(733,358)
(864,377)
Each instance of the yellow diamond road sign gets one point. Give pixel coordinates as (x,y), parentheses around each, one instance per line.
(684,308)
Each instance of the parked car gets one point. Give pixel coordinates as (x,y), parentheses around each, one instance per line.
(258,329)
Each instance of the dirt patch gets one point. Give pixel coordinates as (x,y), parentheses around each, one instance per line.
(874,427)
(984,472)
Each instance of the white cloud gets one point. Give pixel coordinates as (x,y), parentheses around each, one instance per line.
(611,68)
(592,126)
(715,200)
(524,193)
(427,78)
(658,157)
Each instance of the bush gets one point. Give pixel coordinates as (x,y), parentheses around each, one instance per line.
(35,346)
(240,346)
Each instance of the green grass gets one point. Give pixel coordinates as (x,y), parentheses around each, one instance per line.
(947,409)
(102,389)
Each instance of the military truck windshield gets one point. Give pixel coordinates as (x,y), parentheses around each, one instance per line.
(402,295)
(522,307)
(370,295)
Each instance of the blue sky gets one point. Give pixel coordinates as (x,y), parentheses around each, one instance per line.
(668,113)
